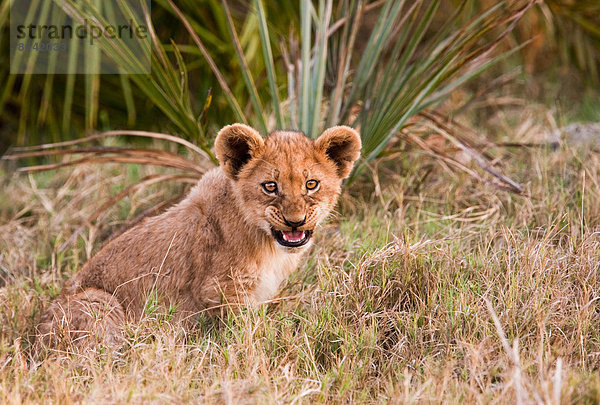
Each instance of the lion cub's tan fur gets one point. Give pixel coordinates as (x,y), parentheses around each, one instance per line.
(215,248)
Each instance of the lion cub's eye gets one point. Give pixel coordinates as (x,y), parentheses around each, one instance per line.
(312,184)
(270,187)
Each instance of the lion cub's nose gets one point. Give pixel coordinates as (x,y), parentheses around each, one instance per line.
(294,224)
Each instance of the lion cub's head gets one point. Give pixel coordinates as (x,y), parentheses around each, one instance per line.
(287,182)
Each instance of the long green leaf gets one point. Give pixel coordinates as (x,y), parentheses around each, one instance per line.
(246,74)
(346,47)
(325,8)
(306,46)
(269,62)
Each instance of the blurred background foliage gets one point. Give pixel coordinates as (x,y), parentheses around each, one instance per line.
(378,65)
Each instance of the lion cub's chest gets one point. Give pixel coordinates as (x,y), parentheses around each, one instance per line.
(273,270)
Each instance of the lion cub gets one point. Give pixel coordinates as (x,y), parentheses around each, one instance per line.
(232,241)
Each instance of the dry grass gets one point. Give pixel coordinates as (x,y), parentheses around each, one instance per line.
(428,286)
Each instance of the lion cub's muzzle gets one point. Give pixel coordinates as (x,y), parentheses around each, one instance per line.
(293,238)
(293,231)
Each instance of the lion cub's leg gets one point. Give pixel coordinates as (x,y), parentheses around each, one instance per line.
(81,321)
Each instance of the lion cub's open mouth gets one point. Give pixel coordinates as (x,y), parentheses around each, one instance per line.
(292,238)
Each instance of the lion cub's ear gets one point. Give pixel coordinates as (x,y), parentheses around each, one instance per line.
(342,145)
(235,145)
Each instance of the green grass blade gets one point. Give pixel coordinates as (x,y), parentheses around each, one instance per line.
(92,79)
(269,63)
(24,92)
(47,95)
(128,98)
(123,79)
(305,29)
(246,74)
(4,12)
(345,57)
(320,61)
(70,86)
(183,96)
(292,96)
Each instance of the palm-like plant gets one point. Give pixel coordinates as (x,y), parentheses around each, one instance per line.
(323,73)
